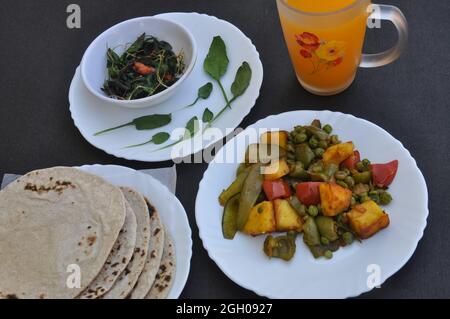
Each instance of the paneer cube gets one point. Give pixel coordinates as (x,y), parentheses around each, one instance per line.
(338,153)
(276,170)
(276,137)
(367,219)
(286,217)
(261,220)
(334,199)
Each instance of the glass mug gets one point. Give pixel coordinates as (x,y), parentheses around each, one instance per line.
(325,40)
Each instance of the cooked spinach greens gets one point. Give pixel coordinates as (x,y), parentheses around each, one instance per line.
(147,67)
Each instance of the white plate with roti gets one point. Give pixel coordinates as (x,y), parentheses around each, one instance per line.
(95,232)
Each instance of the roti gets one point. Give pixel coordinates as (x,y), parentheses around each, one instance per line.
(166,274)
(128,278)
(57,229)
(154,256)
(118,259)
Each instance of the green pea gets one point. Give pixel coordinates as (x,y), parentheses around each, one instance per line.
(328,254)
(313,142)
(348,238)
(366,162)
(323,144)
(300,138)
(319,208)
(328,128)
(334,139)
(385,198)
(299,129)
(319,152)
(360,166)
(324,240)
(340,175)
(349,181)
(313,211)
(341,183)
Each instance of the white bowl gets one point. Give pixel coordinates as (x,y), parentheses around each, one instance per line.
(93,66)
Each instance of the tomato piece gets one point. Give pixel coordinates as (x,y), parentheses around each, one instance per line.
(350,162)
(276,189)
(308,193)
(383,174)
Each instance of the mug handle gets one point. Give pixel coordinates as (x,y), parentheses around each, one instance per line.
(393,14)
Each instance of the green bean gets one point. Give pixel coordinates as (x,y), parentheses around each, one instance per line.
(298,206)
(290,156)
(297,170)
(251,189)
(328,128)
(304,154)
(324,240)
(311,235)
(327,227)
(349,181)
(341,183)
(340,175)
(317,169)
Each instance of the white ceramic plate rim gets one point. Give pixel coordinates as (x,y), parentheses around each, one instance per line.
(180,277)
(396,265)
(163,156)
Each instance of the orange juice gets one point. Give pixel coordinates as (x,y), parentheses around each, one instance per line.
(325,39)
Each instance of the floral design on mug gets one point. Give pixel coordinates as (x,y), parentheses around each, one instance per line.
(322,54)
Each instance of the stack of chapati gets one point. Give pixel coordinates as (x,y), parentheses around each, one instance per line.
(65,233)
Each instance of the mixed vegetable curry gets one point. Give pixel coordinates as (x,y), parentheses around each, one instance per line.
(307,181)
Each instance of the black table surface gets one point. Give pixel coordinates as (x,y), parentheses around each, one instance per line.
(409,98)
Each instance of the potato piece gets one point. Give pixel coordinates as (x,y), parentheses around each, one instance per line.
(263,153)
(276,137)
(261,220)
(334,199)
(286,217)
(336,154)
(276,170)
(367,219)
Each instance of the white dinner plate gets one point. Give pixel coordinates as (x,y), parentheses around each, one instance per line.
(169,208)
(350,270)
(91,114)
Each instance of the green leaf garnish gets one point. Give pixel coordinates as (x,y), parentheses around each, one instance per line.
(157,139)
(148,122)
(216,62)
(207,116)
